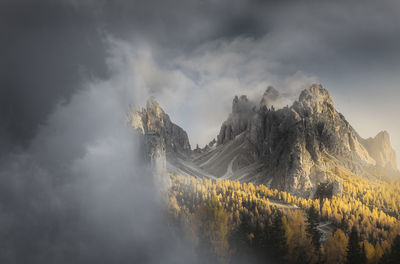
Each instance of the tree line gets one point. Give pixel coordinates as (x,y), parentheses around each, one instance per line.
(228,220)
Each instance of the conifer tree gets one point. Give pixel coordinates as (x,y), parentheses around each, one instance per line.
(354,254)
(344,225)
(312,231)
(278,234)
(392,257)
(395,251)
(335,248)
(363,257)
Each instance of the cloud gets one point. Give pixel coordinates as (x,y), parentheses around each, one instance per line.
(69,71)
(79,192)
(197,89)
(60,42)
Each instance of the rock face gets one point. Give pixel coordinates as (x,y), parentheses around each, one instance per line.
(165,145)
(153,121)
(269,98)
(301,143)
(238,121)
(295,149)
(380,149)
(159,138)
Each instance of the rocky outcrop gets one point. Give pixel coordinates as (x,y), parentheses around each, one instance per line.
(302,143)
(294,148)
(153,121)
(380,149)
(238,121)
(160,138)
(271,95)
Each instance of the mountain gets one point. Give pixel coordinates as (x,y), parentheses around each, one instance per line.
(153,121)
(165,146)
(381,151)
(159,138)
(292,148)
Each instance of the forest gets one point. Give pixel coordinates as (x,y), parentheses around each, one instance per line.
(234,222)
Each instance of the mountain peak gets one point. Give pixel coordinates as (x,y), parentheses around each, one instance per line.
(154,107)
(241,104)
(153,121)
(291,148)
(383,136)
(269,97)
(315,93)
(315,99)
(381,150)
(298,146)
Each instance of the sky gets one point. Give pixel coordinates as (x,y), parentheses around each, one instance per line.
(194,53)
(70,70)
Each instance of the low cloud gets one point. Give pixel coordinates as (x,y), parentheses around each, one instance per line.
(197,89)
(79,193)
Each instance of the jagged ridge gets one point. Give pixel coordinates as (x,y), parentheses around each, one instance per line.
(298,145)
(293,148)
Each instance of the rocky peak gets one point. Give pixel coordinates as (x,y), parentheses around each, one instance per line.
(299,145)
(154,108)
(148,123)
(241,105)
(316,93)
(293,148)
(153,121)
(383,137)
(327,130)
(153,116)
(381,150)
(315,99)
(242,111)
(269,97)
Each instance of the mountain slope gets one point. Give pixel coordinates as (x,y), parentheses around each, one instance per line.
(165,144)
(381,151)
(292,149)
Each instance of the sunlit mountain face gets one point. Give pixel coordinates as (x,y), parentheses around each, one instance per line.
(199,132)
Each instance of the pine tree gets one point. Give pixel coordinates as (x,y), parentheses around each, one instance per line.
(279,234)
(392,257)
(312,223)
(258,236)
(344,225)
(363,257)
(335,248)
(354,254)
(239,237)
(395,251)
(213,225)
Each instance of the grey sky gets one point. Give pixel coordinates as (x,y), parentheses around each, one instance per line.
(351,48)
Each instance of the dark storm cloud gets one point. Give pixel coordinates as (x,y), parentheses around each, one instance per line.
(344,35)
(47,46)
(80,192)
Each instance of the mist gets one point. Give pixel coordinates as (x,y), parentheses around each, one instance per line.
(73,187)
(80,193)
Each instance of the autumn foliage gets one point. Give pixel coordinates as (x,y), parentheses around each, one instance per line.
(227,219)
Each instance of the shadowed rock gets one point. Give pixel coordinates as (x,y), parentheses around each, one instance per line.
(294,148)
